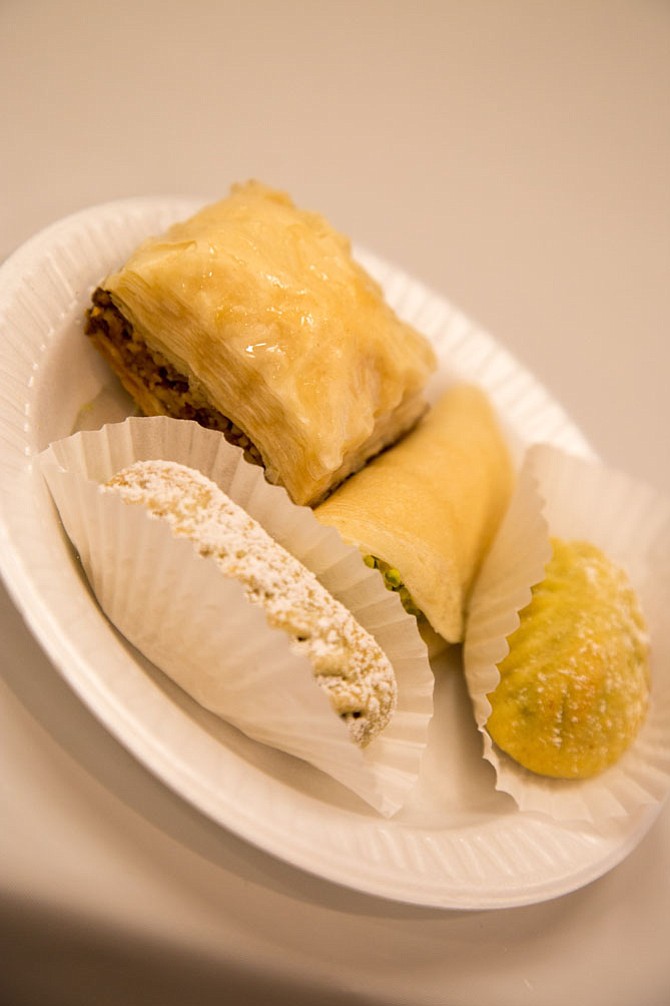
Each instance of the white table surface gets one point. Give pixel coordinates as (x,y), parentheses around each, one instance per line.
(515,156)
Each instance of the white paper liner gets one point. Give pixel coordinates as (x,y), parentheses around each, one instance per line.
(196,625)
(564,496)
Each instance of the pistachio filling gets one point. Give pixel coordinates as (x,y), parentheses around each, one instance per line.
(393,581)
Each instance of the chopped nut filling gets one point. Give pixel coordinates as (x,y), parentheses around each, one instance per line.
(393,581)
(114,335)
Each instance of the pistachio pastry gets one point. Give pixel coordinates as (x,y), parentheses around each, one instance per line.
(428,507)
(574,686)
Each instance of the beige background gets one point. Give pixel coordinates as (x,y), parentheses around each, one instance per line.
(515,156)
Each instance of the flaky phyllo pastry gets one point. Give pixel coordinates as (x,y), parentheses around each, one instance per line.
(253,318)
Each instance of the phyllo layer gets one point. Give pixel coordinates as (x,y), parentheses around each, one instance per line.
(253,317)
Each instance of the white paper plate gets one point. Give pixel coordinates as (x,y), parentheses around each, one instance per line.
(459,844)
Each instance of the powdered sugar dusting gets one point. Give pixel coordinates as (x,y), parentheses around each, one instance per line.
(348,663)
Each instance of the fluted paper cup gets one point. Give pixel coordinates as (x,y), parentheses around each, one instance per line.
(195,624)
(559,495)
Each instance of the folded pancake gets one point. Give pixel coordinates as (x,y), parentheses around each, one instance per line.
(426,510)
(347,662)
(252,317)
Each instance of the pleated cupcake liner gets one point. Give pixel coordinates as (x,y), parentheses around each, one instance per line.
(196,625)
(561,495)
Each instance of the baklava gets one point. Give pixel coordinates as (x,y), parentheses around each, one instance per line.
(253,317)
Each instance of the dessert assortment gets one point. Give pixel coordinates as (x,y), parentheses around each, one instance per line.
(253,320)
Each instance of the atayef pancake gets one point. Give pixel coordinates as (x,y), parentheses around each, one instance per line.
(426,510)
